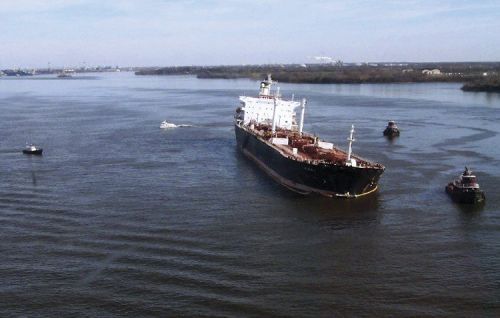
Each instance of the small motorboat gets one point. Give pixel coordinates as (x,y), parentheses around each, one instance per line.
(165,124)
(391,130)
(465,189)
(66,73)
(32,150)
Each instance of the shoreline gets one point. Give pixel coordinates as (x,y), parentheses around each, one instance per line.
(341,73)
(489,85)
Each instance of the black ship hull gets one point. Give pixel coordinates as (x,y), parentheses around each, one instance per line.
(307,178)
(467,196)
(33,152)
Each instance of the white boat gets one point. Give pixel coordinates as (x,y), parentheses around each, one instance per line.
(165,124)
(65,73)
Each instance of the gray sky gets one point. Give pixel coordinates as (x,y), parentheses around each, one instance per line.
(212,32)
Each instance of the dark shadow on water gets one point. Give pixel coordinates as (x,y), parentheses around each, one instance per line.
(321,205)
(391,139)
(469,211)
(32,168)
(33,177)
(339,214)
(316,204)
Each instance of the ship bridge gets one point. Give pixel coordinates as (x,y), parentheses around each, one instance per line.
(265,107)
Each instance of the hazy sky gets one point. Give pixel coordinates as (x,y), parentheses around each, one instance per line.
(177,32)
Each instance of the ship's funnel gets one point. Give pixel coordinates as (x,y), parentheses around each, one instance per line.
(265,86)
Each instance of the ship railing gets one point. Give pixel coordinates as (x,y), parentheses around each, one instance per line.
(267,96)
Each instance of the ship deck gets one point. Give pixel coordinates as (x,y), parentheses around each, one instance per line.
(308,147)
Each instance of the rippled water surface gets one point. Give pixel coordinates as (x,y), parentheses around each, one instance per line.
(120,218)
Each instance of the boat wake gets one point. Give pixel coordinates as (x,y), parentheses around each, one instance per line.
(166,125)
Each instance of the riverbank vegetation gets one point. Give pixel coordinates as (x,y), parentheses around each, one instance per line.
(341,73)
(486,84)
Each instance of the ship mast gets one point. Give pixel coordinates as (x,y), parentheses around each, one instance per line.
(303,106)
(274,115)
(351,140)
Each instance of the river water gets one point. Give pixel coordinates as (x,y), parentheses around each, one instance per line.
(120,218)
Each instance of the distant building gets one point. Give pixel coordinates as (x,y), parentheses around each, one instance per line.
(431,72)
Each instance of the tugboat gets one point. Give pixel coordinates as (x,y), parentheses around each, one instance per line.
(391,130)
(465,189)
(32,150)
(268,134)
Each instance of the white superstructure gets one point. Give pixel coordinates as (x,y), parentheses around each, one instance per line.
(269,108)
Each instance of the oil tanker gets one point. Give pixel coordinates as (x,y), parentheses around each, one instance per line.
(268,133)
